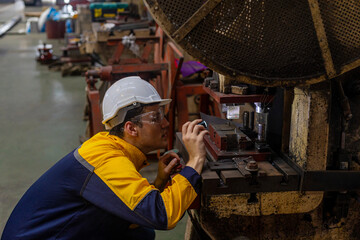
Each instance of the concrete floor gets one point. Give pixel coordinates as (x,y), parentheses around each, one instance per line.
(40,119)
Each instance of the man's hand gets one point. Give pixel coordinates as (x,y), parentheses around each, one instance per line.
(168,164)
(193,138)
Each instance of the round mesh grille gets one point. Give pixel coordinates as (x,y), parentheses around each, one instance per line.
(342,24)
(269,43)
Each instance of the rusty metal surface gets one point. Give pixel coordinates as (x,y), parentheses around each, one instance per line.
(307,225)
(115,72)
(224,179)
(227,137)
(268,43)
(227,140)
(235,98)
(226,190)
(222,154)
(231,178)
(234,176)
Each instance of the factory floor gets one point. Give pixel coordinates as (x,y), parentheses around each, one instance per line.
(41,119)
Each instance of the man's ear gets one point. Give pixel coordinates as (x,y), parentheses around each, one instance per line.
(131,129)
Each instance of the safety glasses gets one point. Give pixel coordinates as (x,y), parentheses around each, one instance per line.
(153,117)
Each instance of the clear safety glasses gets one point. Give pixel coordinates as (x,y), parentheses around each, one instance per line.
(153,117)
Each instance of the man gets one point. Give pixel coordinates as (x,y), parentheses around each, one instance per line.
(97,192)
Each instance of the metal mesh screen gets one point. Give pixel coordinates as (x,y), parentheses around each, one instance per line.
(257,39)
(342,24)
(179,11)
(264,42)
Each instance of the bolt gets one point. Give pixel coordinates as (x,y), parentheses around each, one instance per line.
(252,166)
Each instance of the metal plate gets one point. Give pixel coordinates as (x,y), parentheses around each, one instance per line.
(268,43)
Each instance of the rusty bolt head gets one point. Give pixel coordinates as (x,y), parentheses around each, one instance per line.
(252,166)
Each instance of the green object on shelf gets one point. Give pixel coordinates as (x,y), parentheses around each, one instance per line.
(109,5)
(108,10)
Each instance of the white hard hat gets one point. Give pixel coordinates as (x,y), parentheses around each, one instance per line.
(125,94)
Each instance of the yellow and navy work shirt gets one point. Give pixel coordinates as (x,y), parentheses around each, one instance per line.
(97,192)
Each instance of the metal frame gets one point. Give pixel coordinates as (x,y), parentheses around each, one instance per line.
(279,174)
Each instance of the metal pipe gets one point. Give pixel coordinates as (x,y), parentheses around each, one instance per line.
(9,25)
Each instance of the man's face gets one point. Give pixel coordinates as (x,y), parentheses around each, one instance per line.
(153,134)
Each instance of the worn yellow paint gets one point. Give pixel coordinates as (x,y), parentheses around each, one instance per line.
(223,82)
(311,225)
(299,127)
(289,202)
(226,205)
(309,129)
(269,203)
(321,35)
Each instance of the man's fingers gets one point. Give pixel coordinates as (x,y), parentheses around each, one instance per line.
(203,133)
(172,164)
(198,128)
(167,157)
(192,125)
(185,127)
(190,128)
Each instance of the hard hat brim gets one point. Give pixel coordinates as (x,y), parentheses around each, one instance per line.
(164,102)
(161,102)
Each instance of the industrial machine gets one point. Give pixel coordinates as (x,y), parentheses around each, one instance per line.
(45,54)
(295,174)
